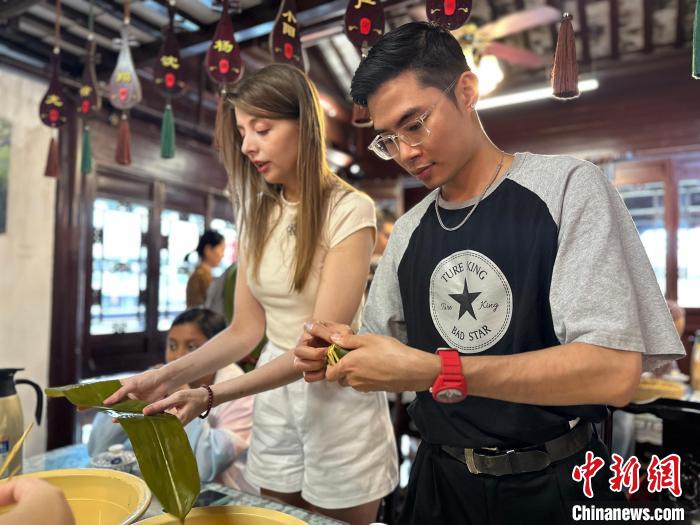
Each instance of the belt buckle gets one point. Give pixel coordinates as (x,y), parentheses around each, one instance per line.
(469,460)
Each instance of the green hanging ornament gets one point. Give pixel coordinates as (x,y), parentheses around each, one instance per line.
(167,133)
(696,41)
(167,76)
(86,152)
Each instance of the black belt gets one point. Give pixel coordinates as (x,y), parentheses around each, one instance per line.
(531,459)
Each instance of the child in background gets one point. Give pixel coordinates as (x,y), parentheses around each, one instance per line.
(220,442)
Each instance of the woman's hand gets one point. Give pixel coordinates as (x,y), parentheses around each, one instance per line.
(36,502)
(310,352)
(184,404)
(147,386)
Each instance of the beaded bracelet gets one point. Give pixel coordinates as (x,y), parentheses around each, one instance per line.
(210,401)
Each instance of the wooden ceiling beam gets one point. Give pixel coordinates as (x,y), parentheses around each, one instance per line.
(16,8)
(316,61)
(35,50)
(648,8)
(614,29)
(183,14)
(82,19)
(680,23)
(115,11)
(24,43)
(349,70)
(584,32)
(47,29)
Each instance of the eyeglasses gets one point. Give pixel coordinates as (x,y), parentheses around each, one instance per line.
(386,146)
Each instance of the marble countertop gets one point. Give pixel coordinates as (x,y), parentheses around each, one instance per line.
(76,456)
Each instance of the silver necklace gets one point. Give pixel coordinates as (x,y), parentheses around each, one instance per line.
(437,211)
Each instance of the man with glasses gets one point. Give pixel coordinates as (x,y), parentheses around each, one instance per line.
(516,299)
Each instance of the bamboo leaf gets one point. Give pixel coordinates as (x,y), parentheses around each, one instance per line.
(335,354)
(160,444)
(92,395)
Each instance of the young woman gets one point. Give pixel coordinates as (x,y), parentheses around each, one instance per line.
(220,443)
(210,249)
(306,241)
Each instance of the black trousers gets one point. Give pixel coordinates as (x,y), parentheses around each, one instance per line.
(441,491)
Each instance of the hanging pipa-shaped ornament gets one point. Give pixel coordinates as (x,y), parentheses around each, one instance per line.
(364,25)
(90,101)
(450,14)
(124,91)
(167,75)
(285,42)
(223,62)
(52,110)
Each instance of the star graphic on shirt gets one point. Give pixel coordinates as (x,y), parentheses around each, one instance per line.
(465,300)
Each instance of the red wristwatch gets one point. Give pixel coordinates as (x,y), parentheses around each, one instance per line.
(450,386)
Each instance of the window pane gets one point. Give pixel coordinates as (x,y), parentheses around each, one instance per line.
(180,232)
(688,242)
(119,258)
(646,205)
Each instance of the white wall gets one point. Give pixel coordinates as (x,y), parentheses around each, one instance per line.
(26,248)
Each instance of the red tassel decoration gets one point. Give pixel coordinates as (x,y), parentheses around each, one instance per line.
(218,122)
(123,155)
(53,165)
(565,70)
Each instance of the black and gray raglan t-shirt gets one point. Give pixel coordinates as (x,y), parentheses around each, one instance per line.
(551,256)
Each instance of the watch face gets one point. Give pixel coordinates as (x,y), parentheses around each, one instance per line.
(450,395)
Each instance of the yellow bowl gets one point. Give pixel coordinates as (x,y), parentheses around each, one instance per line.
(100,496)
(227,515)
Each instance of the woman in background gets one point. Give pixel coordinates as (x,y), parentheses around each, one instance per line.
(210,249)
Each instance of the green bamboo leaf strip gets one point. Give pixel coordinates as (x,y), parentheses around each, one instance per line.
(167,463)
(92,395)
(335,353)
(160,444)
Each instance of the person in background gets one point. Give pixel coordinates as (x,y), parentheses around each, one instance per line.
(624,432)
(306,241)
(220,299)
(385,225)
(220,442)
(678,316)
(36,501)
(210,250)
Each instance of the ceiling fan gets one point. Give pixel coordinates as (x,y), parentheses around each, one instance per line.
(479,41)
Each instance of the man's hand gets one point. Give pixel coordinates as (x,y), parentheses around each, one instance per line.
(310,352)
(380,363)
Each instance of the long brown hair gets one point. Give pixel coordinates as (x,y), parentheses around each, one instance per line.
(279,91)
